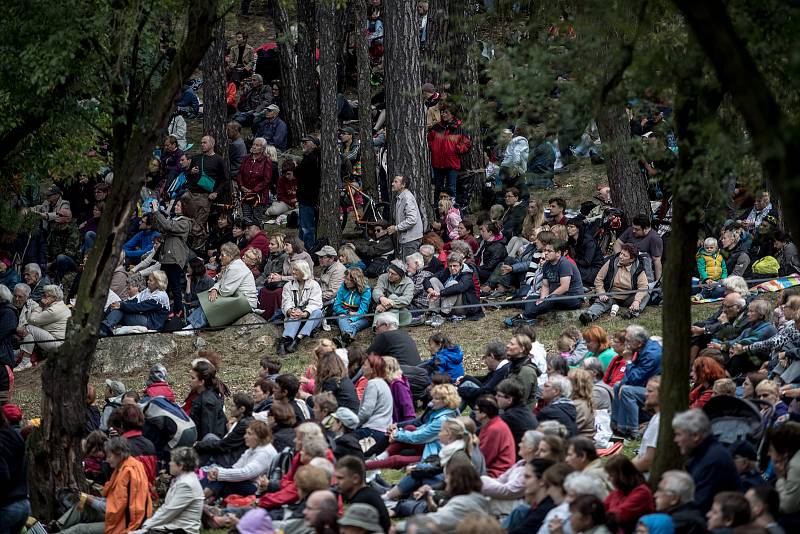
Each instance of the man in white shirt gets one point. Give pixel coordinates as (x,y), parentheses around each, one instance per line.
(652,403)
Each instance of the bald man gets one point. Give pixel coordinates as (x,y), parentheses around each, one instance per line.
(321,511)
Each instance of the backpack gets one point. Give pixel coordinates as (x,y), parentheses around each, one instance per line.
(166,424)
(280,466)
(377,267)
(418,380)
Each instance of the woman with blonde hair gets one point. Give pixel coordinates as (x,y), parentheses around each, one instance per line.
(301,304)
(349,258)
(252,258)
(450,219)
(582,396)
(351,304)
(401,391)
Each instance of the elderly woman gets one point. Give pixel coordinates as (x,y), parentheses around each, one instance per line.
(602,393)
(301,304)
(352,303)
(126,497)
(282,253)
(415,268)
(235,281)
(750,357)
(453,293)
(149,308)
(45,327)
(241,478)
(759,328)
(182,508)
(506,490)
(582,397)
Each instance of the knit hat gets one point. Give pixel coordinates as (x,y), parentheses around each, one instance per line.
(347,417)
(13,413)
(361,515)
(158,373)
(256,521)
(398,269)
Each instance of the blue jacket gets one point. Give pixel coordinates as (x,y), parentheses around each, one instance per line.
(10,278)
(755,332)
(155,313)
(275,132)
(140,244)
(189,100)
(713,470)
(646,364)
(449,360)
(428,433)
(348,300)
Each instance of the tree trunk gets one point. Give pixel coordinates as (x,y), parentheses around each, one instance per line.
(329,214)
(628,186)
(405,133)
(307,59)
(215,107)
(290,85)
(435,57)
(55,448)
(369,171)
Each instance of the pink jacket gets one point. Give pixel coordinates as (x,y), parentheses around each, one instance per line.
(451,221)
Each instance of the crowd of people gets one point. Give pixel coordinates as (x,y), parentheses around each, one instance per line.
(531,443)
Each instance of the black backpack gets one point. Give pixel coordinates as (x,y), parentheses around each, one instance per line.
(418,380)
(280,466)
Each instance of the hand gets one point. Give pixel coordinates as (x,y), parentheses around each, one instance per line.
(195,170)
(391,230)
(556,526)
(154,205)
(603,298)
(303,394)
(212,474)
(505,269)
(379,308)
(115,305)
(736,349)
(22,331)
(634,306)
(212,196)
(697,330)
(539,301)
(422,491)
(386,303)
(436,225)
(212,295)
(262,483)
(714,345)
(435,295)
(274,277)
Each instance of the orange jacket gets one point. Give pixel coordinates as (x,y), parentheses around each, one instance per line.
(127,497)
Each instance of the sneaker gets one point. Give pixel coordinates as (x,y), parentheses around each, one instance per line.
(508,322)
(437,321)
(24,364)
(496,294)
(522,321)
(585,318)
(457,318)
(186,331)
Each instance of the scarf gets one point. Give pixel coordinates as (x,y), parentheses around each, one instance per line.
(447,451)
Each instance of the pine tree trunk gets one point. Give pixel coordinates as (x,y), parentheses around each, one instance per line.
(405,133)
(435,58)
(369,171)
(329,213)
(290,84)
(628,186)
(215,107)
(306,49)
(54,449)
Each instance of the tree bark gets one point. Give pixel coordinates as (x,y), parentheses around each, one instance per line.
(290,89)
(369,172)
(405,132)
(628,186)
(307,59)
(329,214)
(55,448)
(435,57)
(215,108)
(775,140)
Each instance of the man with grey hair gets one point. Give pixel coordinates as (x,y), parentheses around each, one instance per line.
(253,102)
(629,393)
(556,393)
(32,274)
(45,328)
(708,461)
(22,301)
(726,324)
(390,341)
(415,268)
(254,178)
(451,290)
(430,262)
(407,219)
(675,496)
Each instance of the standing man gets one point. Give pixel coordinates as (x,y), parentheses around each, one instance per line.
(49,210)
(350,474)
(308,184)
(407,219)
(448,141)
(237,150)
(641,235)
(208,176)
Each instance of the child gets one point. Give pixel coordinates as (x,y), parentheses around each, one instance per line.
(270,369)
(711,266)
(447,357)
(157,385)
(94,456)
(578,350)
(564,344)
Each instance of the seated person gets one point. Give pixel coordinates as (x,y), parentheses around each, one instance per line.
(142,242)
(183,504)
(393,293)
(515,213)
(472,387)
(32,274)
(430,256)
(415,267)
(513,411)
(446,357)
(226,451)
(286,191)
(301,304)
(332,274)
(759,328)
(492,250)
(351,304)
(583,248)
(786,254)
(269,296)
(465,233)
(647,241)
(197,281)
(390,341)
(560,277)
(726,324)
(44,327)
(451,289)
(149,308)
(506,490)
(242,477)
(283,421)
(558,405)
(711,268)
(519,271)
(622,272)
(496,441)
(401,392)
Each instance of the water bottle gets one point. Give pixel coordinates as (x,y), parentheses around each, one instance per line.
(614,310)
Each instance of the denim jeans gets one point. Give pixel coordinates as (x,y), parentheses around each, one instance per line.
(223,489)
(293,328)
(197,318)
(533,310)
(352,327)
(88,242)
(444,180)
(118,317)
(408,484)
(625,408)
(308,226)
(14,515)
(63,265)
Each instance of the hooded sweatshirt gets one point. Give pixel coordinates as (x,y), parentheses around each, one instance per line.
(448,360)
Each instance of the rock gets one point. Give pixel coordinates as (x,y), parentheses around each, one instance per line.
(125,354)
(569,316)
(199,342)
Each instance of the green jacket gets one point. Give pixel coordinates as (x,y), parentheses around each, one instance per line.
(63,239)
(523,370)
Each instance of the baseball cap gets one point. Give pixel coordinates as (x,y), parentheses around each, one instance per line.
(273,107)
(311,138)
(53,190)
(116,387)
(347,417)
(348,130)
(327,250)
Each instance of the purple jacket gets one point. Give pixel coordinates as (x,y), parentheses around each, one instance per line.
(403,405)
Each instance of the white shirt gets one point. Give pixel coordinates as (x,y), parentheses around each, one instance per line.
(650,436)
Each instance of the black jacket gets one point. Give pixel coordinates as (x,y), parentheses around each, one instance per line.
(8,325)
(587,256)
(713,470)
(368,495)
(466,285)
(308,179)
(347,445)
(282,437)
(398,344)
(13,467)
(206,412)
(563,412)
(344,391)
(490,255)
(688,519)
(535,518)
(519,419)
(512,220)
(227,450)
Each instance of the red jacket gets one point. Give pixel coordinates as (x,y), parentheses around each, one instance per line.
(259,241)
(627,509)
(160,389)
(287,191)
(615,370)
(287,492)
(143,450)
(699,396)
(448,142)
(256,176)
(497,446)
